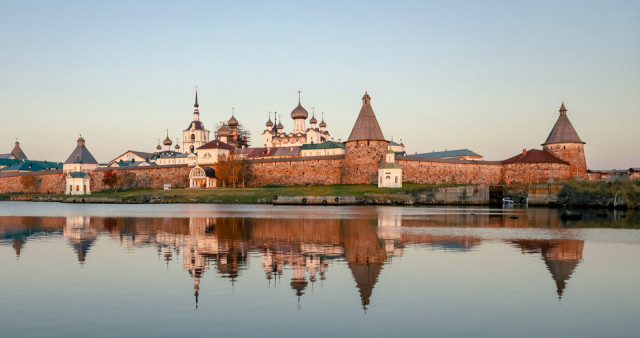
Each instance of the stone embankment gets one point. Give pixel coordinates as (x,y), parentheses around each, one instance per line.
(586,195)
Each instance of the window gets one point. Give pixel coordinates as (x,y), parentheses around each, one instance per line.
(396,179)
(193,137)
(77,187)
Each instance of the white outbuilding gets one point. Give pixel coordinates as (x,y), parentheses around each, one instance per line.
(389,172)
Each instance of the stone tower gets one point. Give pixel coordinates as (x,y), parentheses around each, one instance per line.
(564,143)
(365,148)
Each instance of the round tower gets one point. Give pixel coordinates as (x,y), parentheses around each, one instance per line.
(564,143)
(365,148)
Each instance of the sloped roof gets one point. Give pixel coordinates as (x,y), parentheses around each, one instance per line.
(448,153)
(78,174)
(33,166)
(563,131)
(81,154)
(389,166)
(268,152)
(323,145)
(197,125)
(534,156)
(4,161)
(215,144)
(366,126)
(18,153)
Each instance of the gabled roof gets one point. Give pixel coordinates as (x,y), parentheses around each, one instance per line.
(563,131)
(366,126)
(141,154)
(534,156)
(215,144)
(323,145)
(448,153)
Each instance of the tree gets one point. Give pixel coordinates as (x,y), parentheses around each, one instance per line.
(233,171)
(110,179)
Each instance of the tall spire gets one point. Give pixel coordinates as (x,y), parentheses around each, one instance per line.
(563,110)
(196,105)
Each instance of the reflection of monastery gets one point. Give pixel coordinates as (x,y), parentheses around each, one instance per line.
(307,154)
(305,247)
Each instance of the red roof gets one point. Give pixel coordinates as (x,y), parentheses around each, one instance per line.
(215,144)
(534,156)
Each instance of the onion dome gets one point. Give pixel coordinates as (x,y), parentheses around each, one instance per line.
(159,147)
(299,113)
(233,122)
(323,124)
(313,120)
(269,123)
(177,145)
(167,141)
(223,131)
(280,126)
(80,141)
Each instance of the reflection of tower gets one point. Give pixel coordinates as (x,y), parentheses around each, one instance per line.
(561,256)
(80,235)
(366,276)
(197,246)
(364,253)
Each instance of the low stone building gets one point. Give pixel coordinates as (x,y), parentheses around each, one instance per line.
(389,172)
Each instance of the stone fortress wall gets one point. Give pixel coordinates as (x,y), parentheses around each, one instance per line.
(53,182)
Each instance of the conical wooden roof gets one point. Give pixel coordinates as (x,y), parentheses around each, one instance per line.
(366,127)
(563,131)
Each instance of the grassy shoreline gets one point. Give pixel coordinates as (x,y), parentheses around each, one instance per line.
(241,195)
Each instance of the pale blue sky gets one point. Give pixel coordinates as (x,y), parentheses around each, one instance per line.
(489,76)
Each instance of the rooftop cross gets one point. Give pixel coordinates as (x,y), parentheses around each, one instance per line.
(233,111)
(299,92)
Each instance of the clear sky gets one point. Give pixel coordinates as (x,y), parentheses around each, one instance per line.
(484,75)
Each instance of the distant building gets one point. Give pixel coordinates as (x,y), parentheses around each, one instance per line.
(458,154)
(15,154)
(274,135)
(322,149)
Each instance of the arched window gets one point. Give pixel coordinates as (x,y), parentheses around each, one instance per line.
(191,148)
(77,187)
(193,137)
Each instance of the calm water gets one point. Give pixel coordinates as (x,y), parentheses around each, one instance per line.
(192,270)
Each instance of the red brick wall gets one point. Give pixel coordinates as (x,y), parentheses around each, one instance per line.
(297,171)
(433,172)
(527,173)
(572,153)
(48,182)
(361,161)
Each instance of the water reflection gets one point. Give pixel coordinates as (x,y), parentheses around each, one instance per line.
(307,247)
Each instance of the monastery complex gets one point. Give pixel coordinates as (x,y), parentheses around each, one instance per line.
(306,155)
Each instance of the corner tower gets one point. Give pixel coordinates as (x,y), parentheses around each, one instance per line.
(564,143)
(365,147)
